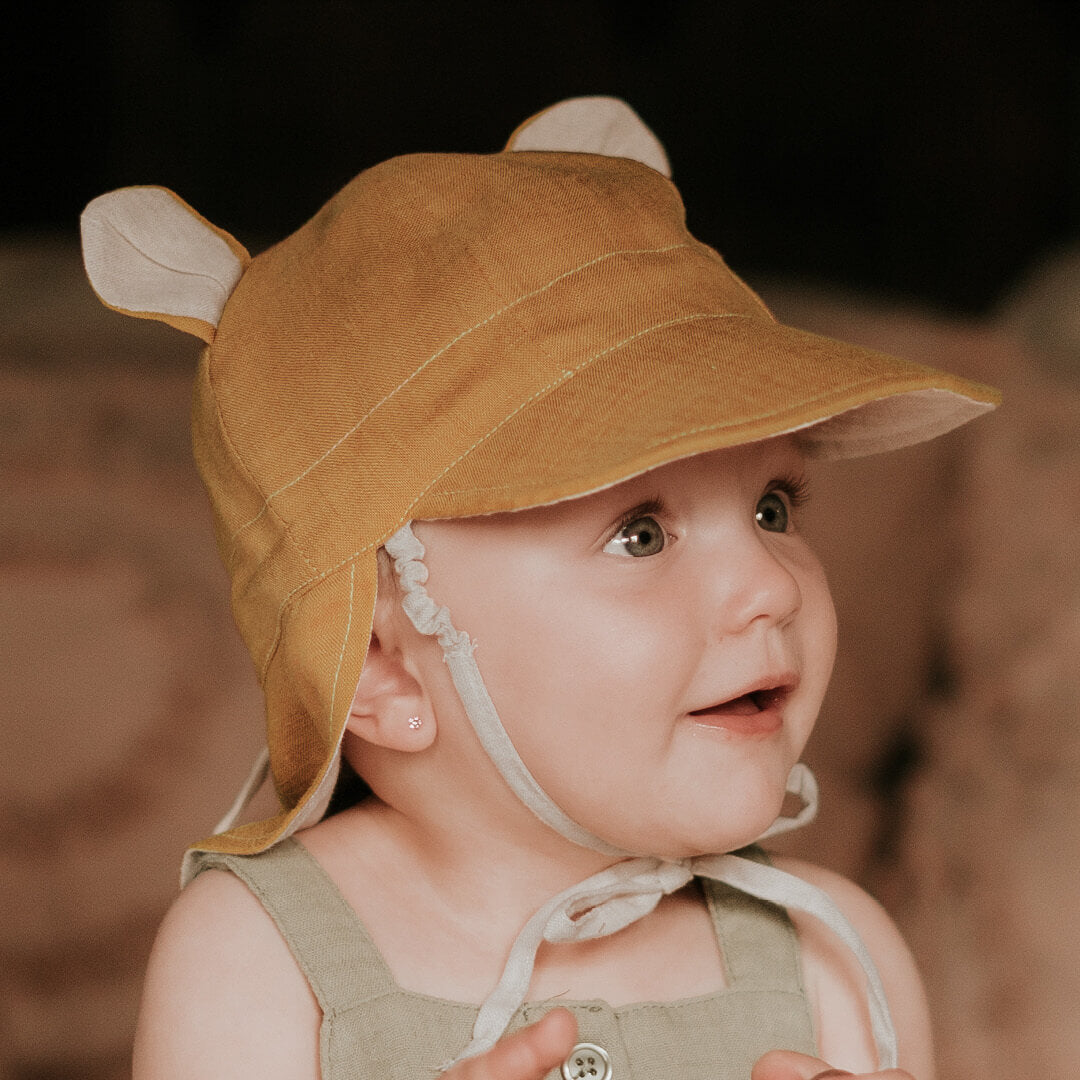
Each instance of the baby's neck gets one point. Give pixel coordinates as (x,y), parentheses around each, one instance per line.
(485,878)
(443,908)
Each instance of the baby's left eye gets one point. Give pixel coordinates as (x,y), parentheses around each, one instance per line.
(772,512)
(642,536)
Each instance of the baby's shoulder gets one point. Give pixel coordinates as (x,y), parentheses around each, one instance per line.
(223,994)
(868,917)
(837,987)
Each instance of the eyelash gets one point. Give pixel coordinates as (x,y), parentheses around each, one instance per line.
(650,508)
(794,486)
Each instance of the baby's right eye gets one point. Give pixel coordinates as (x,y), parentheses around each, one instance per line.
(638,538)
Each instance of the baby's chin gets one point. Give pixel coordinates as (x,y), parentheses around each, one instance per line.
(711,818)
(720,846)
(691,845)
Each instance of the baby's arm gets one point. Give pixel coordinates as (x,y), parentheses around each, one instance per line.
(836,984)
(223,994)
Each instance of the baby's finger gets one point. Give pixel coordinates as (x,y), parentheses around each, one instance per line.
(528,1054)
(787,1065)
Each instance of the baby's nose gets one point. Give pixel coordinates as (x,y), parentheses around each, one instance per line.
(757,586)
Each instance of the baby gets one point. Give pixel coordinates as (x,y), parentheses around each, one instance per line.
(506,470)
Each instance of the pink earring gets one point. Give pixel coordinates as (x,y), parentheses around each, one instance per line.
(415,722)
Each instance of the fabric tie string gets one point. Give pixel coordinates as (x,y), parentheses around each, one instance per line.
(620,895)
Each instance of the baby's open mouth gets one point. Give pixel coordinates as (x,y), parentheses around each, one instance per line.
(756,712)
(747,704)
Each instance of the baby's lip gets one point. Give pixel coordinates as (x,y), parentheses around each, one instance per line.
(767,694)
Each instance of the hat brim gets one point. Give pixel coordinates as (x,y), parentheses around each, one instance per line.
(695,386)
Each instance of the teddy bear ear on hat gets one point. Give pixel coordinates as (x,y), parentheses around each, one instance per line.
(150,255)
(592,125)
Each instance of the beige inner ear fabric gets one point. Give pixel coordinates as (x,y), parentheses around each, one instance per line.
(889,423)
(596,125)
(145,251)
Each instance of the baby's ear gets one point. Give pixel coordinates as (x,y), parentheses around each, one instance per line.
(592,125)
(148,254)
(390,707)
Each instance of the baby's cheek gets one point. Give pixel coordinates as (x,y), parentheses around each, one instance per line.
(818,612)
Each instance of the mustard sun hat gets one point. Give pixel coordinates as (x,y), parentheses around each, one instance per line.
(459,334)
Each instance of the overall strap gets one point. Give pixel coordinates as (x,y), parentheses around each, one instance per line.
(757,939)
(325,935)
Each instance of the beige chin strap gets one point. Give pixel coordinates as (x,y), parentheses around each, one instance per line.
(630,889)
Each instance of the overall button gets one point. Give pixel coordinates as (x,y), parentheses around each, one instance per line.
(587,1061)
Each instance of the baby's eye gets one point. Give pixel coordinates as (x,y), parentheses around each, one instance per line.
(772,512)
(642,536)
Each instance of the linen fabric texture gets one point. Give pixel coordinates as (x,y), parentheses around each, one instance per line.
(372,1028)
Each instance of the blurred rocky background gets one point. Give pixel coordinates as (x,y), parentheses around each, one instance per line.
(904,175)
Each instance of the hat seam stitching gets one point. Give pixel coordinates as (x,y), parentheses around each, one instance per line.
(340,662)
(286,530)
(564,376)
(236,456)
(442,350)
(344,643)
(716,257)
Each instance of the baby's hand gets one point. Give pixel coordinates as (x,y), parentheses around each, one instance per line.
(787,1065)
(529,1054)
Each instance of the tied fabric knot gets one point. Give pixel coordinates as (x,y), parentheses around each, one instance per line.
(600,905)
(596,911)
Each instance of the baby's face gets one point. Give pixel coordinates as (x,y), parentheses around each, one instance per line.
(658,651)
